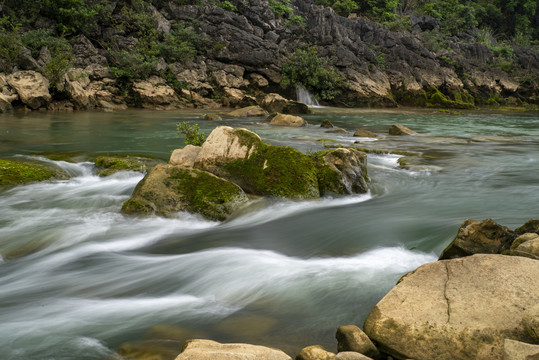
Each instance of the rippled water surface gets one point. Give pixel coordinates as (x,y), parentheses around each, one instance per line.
(80,280)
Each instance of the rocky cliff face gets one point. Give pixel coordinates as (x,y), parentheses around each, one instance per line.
(245,49)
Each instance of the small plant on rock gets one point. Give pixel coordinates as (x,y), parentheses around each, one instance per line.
(192,133)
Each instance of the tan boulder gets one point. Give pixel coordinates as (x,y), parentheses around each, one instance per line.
(352,338)
(249,111)
(478,237)
(224,145)
(458,309)
(365,133)
(236,97)
(212,350)
(32,87)
(315,352)
(77,86)
(401,130)
(154,93)
(185,156)
(286,120)
(167,189)
(258,80)
(516,350)
(225,79)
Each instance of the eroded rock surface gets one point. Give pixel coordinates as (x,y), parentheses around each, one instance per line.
(457,309)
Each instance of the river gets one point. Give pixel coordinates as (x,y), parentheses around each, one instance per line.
(79,280)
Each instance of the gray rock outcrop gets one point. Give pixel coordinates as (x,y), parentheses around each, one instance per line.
(457,309)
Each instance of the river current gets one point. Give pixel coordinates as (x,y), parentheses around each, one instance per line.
(80,280)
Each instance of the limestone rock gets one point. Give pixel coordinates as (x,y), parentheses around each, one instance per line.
(258,80)
(32,87)
(315,352)
(211,350)
(351,355)
(5,104)
(365,133)
(237,97)
(456,309)
(185,157)
(275,103)
(240,156)
(531,322)
(337,131)
(326,124)
(352,338)
(401,130)
(249,111)
(111,164)
(474,237)
(516,350)
(342,171)
(154,93)
(531,226)
(76,85)
(212,117)
(286,120)
(167,189)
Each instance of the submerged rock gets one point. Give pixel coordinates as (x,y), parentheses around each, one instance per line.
(167,189)
(457,309)
(249,111)
(14,172)
(479,237)
(365,133)
(286,120)
(401,130)
(211,350)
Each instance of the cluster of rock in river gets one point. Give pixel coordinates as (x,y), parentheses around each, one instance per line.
(479,301)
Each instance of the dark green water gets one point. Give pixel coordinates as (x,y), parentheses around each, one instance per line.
(78,279)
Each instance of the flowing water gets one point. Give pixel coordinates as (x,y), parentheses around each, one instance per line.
(78,279)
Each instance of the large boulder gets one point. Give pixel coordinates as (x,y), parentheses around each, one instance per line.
(286,120)
(342,171)
(479,237)
(352,338)
(240,156)
(211,350)
(459,309)
(167,189)
(32,87)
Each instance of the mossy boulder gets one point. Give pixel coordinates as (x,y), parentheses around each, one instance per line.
(342,171)
(167,189)
(14,172)
(110,164)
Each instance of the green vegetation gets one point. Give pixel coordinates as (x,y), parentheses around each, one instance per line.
(192,133)
(307,68)
(283,9)
(17,172)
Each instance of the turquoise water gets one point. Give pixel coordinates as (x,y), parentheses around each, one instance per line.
(79,279)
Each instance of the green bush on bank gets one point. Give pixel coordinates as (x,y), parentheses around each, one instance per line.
(307,68)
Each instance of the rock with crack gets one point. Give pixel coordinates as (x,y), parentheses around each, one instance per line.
(457,309)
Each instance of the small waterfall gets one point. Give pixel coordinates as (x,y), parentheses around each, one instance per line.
(303,95)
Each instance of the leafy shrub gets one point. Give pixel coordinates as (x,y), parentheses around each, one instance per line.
(131,64)
(192,133)
(10,44)
(306,68)
(180,45)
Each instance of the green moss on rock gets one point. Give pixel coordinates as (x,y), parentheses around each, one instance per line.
(111,164)
(276,171)
(459,101)
(19,172)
